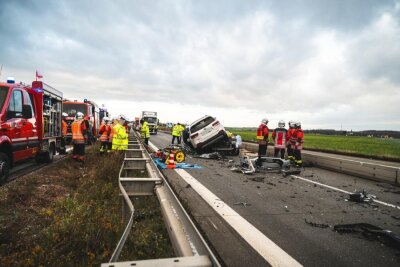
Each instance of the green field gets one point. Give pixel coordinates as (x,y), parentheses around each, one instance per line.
(363,146)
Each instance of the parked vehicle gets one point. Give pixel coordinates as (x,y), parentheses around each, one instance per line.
(91,114)
(152,120)
(30,123)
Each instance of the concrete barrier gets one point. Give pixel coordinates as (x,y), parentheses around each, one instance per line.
(368,170)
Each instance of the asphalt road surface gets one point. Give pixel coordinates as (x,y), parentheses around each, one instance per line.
(280,208)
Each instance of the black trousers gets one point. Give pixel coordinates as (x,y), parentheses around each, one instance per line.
(297,156)
(146,141)
(289,151)
(178,139)
(79,149)
(109,145)
(279,150)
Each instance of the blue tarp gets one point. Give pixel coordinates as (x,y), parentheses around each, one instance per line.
(182,165)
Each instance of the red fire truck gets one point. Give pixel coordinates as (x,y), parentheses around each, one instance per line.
(91,114)
(30,123)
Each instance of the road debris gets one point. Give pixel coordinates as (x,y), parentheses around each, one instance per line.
(370,232)
(250,165)
(361,197)
(242,203)
(319,225)
(213,155)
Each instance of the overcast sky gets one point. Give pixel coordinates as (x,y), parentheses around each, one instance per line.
(329,64)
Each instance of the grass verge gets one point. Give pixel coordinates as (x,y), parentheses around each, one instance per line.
(69,214)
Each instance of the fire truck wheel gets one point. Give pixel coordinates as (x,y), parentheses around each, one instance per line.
(4,167)
(49,156)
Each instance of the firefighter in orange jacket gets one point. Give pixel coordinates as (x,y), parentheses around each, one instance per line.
(64,129)
(298,145)
(262,137)
(280,139)
(289,143)
(78,128)
(104,132)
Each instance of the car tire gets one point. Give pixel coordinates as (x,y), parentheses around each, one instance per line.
(4,167)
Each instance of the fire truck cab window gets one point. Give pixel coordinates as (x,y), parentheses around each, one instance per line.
(15,107)
(3,95)
(72,109)
(28,101)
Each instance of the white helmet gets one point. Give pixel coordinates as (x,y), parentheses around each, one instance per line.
(265,121)
(297,124)
(121,117)
(79,115)
(281,123)
(291,124)
(64,114)
(106,119)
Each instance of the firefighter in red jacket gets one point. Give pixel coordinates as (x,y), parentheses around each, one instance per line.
(104,132)
(298,145)
(78,128)
(289,143)
(280,139)
(262,137)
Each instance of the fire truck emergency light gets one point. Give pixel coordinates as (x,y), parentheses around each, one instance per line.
(10,80)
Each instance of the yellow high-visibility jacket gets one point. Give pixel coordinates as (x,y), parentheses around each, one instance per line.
(145,130)
(120,138)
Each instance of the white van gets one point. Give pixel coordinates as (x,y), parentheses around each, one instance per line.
(205,131)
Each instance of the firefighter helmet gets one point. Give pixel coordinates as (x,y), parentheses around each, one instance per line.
(281,123)
(79,115)
(297,124)
(121,117)
(291,124)
(265,121)
(64,114)
(106,119)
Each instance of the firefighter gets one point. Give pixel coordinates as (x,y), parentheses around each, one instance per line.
(177,133)
(120,137)
(181,129)
(279,135)
(298,145)
(64,129)
(79,132)
(145,131)
(104,132)
(290,143)
(110,137)
(262,137)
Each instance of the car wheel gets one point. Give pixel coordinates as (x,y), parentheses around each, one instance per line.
(4,167)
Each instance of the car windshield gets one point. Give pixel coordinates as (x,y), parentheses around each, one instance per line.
(151,120)
(3,95)
(72,109)
(201,124)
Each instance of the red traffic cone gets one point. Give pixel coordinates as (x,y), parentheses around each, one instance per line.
(171,163)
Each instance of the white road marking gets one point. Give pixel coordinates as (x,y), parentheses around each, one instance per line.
(270,251)
(342,191)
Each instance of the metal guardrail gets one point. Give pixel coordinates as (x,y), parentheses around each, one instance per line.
(372,171)
(139,177)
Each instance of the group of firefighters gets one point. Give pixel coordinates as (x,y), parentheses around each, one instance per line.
(291,139)
(113,134)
